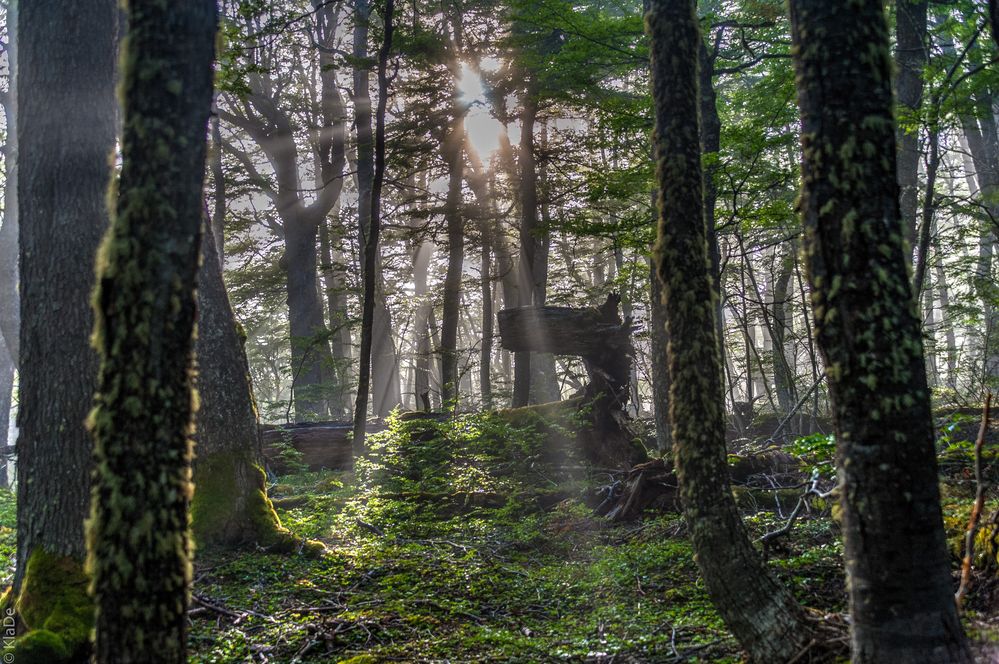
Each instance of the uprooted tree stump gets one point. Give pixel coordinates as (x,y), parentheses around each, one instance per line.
(654,483)
(600,337)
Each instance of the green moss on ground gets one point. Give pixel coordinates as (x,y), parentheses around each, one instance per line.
(460,541)
(419,568)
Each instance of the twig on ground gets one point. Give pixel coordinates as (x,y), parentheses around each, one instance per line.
(812,490)
(981,486)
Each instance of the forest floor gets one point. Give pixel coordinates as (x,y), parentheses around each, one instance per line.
(460,542)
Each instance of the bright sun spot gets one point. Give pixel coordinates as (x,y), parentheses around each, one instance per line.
(483,130)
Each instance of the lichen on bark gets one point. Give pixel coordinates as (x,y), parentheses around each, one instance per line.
(901,602)
(144,303)
(759,610)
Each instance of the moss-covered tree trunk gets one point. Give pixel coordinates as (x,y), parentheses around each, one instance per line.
(901,600)
(65,131)
(145,305)
(230,506)
(761,612)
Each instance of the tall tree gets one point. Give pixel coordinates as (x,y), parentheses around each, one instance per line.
(528,182)
(454,156)
(383,363)
(145,306)
(758,609)
(65,133)
(261,110)
(910,59)
(370,234)
(901,602)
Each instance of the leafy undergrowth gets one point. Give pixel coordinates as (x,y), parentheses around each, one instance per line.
(8,536)
(459,541)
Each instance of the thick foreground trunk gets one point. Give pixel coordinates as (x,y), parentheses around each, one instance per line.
(901,601)
(146,306)
(65,133)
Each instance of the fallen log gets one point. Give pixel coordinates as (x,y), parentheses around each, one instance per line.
(319,445)
(596,334)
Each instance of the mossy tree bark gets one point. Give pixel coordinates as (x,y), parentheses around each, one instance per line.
(66,132)
(759,610)
(139,551)
(230,506)
(901,600)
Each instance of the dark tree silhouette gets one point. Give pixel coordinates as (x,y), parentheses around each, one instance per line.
(370,244)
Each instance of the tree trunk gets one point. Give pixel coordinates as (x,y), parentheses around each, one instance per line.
(454,156)
(486,350)
(6,398)
(339,322)
(782,317)
(522,371)
(910,59)
(10,306)
(544,381)
(710,136)
(386,387)
(943,294)
(421,326)
(311,359)
(370,233)
(145,304)
(230,507)
(983,143)
(761,612)
(218,181)
(901,601)
(65,132)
